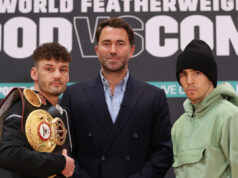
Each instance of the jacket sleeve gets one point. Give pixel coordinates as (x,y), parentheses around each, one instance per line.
(161,156)
(65,103)
(229,144)
(16,154)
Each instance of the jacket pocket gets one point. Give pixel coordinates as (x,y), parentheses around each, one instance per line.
(188,157)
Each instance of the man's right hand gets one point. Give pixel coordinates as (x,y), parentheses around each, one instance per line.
(69,165)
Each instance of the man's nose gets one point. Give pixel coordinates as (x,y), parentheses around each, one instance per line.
(113,48)
(190,78)
(57,74)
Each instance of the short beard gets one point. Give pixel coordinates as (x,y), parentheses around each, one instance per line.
(58,92)
(121,68)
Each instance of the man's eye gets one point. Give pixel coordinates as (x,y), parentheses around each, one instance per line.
(198,73)
(106,44)
(182,74)
(63,70)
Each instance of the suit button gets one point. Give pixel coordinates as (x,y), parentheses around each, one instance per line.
(90,134)
(103,158)
(135,135)
(128,158)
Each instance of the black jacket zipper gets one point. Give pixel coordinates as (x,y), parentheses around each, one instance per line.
(193,114)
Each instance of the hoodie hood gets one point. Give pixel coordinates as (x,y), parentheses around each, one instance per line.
(222,91)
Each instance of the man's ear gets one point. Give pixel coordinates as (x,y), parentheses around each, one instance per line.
(34,74)
(132,50)
(96,49)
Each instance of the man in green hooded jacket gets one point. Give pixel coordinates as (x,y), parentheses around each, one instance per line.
(205,136)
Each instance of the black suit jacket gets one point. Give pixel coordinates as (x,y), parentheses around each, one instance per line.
(137,145)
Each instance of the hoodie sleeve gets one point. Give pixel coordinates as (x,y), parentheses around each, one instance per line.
(229,144)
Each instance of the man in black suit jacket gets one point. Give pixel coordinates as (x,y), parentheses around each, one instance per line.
(110,140)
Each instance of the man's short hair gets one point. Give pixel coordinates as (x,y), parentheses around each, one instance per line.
(116,22)
(51,50)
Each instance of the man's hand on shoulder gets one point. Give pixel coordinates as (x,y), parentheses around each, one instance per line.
(69,165)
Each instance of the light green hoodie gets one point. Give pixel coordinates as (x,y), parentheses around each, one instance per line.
(205,137)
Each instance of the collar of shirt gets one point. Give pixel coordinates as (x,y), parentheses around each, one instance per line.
(122,83)
(114,101)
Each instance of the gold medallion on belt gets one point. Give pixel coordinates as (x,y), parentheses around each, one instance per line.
(43,132)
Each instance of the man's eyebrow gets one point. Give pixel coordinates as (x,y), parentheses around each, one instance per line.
(106,40)
(48,65)
(65,66)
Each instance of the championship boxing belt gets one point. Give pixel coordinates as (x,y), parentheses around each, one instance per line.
(45,128)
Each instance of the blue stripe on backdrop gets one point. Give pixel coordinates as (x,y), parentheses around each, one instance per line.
(172,89)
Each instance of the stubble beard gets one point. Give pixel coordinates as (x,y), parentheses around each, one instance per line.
(109,69)
(57,91)
(52,91)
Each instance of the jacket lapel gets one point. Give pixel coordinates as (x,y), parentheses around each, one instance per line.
(96,96)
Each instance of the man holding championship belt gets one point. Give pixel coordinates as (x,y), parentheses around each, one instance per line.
(34,131)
